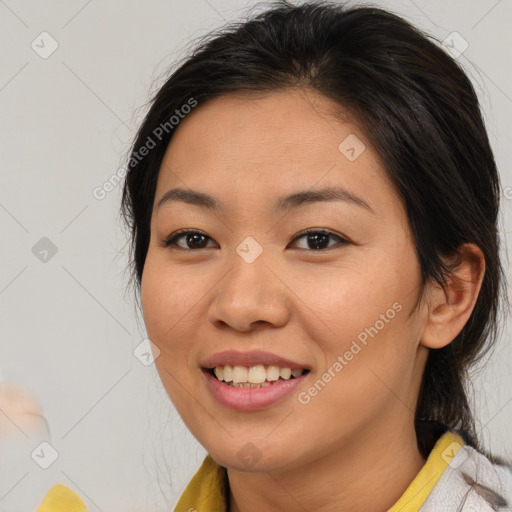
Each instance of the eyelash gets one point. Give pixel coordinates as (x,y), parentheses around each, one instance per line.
(168,242)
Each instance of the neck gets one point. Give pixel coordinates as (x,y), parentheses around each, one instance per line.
(367,473)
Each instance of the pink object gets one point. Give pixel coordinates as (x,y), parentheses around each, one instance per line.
(20,412)
(251,399)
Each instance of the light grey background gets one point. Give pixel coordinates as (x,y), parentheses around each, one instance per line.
(68,329)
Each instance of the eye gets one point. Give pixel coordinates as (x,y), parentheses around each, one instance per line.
(196,239)
(193,237)
(318,238)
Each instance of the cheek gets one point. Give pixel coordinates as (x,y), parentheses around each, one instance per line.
(364,355)
(167,306)
(364,314)
(168,298)
(352,298)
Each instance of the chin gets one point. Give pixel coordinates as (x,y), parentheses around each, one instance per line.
(255,456)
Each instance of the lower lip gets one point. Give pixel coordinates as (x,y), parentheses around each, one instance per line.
(251,399)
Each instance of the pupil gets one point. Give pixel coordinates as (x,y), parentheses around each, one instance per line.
(314,239)
(193,236)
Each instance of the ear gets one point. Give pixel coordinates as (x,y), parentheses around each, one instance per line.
(449,308)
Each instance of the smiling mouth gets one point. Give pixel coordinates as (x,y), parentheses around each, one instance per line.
(254,376)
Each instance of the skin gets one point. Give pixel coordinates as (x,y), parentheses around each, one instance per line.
(353,446)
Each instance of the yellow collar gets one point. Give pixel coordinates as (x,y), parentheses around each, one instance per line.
(207,491)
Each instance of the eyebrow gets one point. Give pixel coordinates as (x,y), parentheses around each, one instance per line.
(283,204)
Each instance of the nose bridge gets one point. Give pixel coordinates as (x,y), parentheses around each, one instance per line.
(249,292)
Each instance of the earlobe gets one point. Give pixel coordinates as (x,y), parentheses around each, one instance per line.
(450,307)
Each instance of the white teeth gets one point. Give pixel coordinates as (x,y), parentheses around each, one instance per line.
(239,374)
(228,373)
(285,373)
(257,374)
(254,376)
(273,373)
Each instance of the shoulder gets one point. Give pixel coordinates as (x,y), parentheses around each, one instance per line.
(471,482)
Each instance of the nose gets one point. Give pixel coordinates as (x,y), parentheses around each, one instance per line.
(249,294)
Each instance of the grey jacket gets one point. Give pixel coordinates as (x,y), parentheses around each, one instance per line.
(471,483)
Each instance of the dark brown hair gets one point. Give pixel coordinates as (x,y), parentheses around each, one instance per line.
(420,112)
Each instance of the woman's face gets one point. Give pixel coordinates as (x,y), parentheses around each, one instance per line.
(253,294)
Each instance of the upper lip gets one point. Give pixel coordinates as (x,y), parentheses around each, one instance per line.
(252,358)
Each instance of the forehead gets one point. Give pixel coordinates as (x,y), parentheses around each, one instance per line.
(253,146)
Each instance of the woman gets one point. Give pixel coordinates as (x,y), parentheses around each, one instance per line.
(313,205)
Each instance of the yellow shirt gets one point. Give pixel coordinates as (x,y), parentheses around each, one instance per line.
(207,491)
